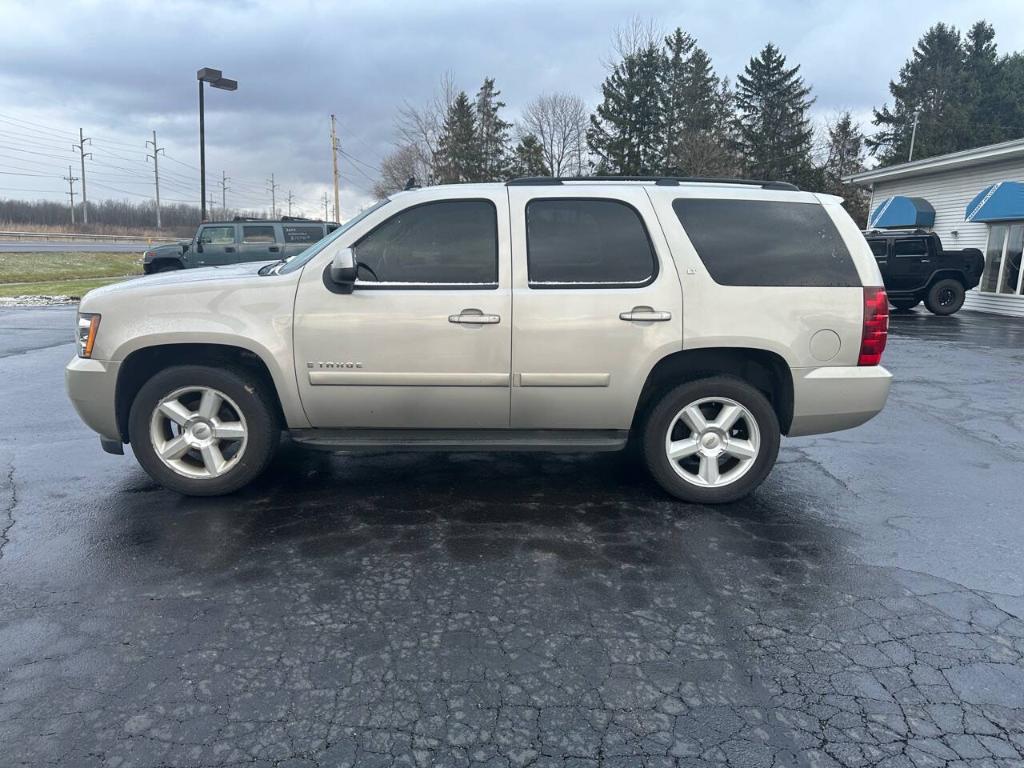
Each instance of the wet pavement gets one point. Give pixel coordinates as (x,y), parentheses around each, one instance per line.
(865,607)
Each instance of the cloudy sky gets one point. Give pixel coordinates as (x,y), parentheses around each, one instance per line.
(123,69)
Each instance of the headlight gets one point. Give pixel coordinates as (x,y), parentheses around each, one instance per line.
(88,324)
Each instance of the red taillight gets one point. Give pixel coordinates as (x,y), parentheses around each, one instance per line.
(876,326)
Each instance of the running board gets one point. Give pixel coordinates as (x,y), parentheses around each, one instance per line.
(568,440)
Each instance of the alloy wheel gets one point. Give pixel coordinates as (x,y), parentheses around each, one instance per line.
(712,442)
(198,432)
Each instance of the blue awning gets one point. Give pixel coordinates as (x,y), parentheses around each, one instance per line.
(997,202)
(901,211)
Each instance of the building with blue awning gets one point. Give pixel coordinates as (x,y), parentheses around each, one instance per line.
(971,199)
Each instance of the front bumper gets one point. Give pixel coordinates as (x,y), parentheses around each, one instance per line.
(837,397)
(91,385)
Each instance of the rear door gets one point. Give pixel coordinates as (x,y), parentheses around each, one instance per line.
(216,245)
(596,302)
(259,243)
(880,250)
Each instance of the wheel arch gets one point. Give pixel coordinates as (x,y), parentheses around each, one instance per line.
(944,274)
(767,371)
(163,261)
(141,364)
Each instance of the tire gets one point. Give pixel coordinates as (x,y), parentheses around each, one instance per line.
(167,266)
(188,424)
(945,297)
(904,304)
(755,431)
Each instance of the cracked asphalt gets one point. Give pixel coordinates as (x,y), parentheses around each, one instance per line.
(864,608)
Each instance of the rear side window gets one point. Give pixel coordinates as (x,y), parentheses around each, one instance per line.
(301,234)
(879,247)
(767,243)
(450,242)
(258,234)
(587,243)
(915,246)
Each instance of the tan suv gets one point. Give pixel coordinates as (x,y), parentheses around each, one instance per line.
(703,318)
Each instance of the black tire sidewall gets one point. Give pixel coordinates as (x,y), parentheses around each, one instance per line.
(657,422)
(250,395)
(932,302)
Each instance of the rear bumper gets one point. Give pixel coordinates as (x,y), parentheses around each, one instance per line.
(91,385)
(832,398)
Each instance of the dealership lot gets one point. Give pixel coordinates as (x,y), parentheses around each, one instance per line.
(865,607)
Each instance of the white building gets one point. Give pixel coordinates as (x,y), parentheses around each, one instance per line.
(971,199)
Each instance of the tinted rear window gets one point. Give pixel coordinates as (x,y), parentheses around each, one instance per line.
(879,247)
(297,233)
(767,243)
(913,247)
(579,243)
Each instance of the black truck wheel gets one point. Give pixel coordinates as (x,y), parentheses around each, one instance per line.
(945,297)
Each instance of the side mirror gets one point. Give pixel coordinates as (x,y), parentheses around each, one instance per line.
(343,270)
(199,246)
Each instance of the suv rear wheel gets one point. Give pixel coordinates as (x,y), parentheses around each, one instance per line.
(203,431)
(945,297)
(711,441)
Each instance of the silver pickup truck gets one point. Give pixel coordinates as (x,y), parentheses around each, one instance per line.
(699,319)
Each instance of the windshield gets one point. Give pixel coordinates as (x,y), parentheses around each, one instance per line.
(299,260)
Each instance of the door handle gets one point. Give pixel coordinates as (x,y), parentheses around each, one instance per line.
(645,314)
(229,249)
(274,249)
(473,317)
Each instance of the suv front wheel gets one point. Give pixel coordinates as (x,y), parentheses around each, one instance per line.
(203,431)
(711,441)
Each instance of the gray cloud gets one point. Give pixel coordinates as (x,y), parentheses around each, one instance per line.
(122,69)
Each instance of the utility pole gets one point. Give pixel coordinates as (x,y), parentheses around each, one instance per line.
(71,191)
(272,189)
(334,161)
(325,202)
(291,198)
(224,190)
(80,146)
(211,203)
(156,173)
(913,135)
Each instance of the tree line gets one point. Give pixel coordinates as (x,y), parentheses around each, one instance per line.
(665,110)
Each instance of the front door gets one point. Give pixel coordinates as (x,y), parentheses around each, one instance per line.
(259,243)
(215,245)
(424,340)
(596,303)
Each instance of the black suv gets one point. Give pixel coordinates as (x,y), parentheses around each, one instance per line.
(915,268)
(217,243)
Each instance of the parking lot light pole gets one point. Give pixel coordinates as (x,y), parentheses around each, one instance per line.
(216,80)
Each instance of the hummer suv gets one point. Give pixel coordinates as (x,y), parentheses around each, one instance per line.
(217,243)
(916,268)
(701,318)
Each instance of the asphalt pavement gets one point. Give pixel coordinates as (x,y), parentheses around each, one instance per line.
(864,608)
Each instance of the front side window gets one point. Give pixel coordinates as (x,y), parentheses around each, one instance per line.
(453,242)
(915,246)
(767,243)
(298,233)
(880,248)
(581,243)
(217,235)
(1003,257)
(258,234)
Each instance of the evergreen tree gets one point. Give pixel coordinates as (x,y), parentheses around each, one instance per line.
(773,132)
(695,105)
(528,158)
(846,151)
(492,133)
(625,131)
(933,85)
(457,157)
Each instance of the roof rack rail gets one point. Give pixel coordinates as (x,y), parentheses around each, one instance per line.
(301,218)
(664,181)
(248,218)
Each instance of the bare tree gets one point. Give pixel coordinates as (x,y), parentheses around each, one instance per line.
(418,127)
(559,122)
(397,167)
(636,35)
